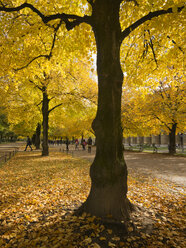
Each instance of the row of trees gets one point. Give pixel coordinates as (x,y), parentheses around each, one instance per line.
(152,110)
(67,96)
(144,112)
(128,35)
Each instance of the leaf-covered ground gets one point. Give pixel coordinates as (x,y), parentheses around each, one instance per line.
(38,195)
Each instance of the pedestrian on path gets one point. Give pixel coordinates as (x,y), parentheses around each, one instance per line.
(28,143)
(89,144)
(76,144)
(84,144)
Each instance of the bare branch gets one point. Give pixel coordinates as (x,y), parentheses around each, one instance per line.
(47,56)
(72,76)
(50,99)
(39,103)
(54,107)
(148,17)
(146,46)
(128,52)
(80,95)
(54,39)
(176,44)
(70,20)
(37,86)
(164,123)
(64,94)
(152,48)
(32,60)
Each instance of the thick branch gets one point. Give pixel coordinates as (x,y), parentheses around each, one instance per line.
(23,6)
(70,20)
(148,17)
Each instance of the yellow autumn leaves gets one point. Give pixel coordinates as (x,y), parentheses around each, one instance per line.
(39,194)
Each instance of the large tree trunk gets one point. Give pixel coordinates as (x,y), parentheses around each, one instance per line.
(108,172)
(172,139)
(45,151)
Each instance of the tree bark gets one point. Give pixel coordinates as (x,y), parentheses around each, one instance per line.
(37,139)
(172,139)
(45,151)
(108,172)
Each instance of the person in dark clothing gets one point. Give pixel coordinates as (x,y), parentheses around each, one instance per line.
(28,143)
(76,144)
(89,144)
(84,144)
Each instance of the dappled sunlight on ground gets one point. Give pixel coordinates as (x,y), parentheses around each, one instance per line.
(159,165)
(172,168)
(39,194)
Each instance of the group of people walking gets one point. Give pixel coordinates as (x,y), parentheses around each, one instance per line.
(83,143)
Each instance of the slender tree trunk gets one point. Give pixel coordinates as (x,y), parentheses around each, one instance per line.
(45,151)
(108,172)
(37,139)
(172,139)
(181,142)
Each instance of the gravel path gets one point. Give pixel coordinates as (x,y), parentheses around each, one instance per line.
(171,168)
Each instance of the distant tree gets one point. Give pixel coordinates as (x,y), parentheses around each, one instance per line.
(167,104)
(4,125)
(156,109)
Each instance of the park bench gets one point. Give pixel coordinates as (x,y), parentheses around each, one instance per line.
(142,147)
(138,148)
(154,148)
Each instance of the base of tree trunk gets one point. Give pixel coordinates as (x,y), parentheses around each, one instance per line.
(172,151)
(45,153)
(105,203)
(37,147)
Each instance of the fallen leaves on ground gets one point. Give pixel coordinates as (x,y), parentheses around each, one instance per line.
(38,195)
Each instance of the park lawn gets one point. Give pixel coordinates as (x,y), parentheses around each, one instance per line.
(38,195)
